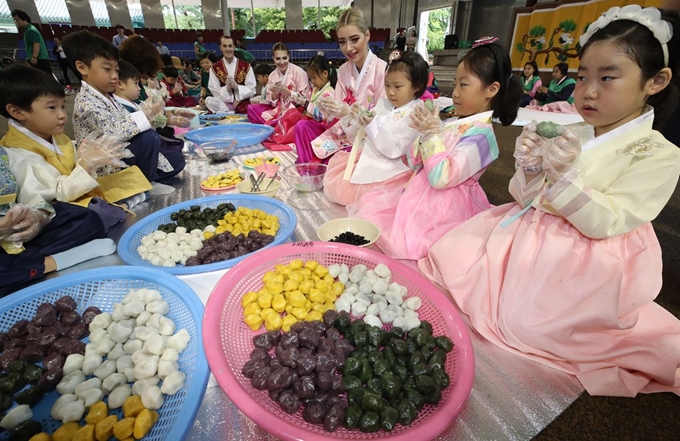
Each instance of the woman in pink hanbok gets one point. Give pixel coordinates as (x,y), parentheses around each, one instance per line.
(286,80)
(448,159)
(361,80)
(567,275)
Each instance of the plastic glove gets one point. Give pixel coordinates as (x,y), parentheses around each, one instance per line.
(333,107)
(184,113)
(426,121)
(359,115)
(529,148)
(178,121)
(152,106)
(561,155)
(23,223)
(97,151)
(298,99)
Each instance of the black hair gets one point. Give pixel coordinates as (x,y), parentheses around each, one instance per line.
(320,64)
(197,36)
(21,85)
(120,26)
(21,15)
(639,44)
(415,68)
(166,59)
(263,69)
(534,65)
(491,63)
(85,46)
(563,68)
(213,57)
(170,71)
(127,71)
(280,46)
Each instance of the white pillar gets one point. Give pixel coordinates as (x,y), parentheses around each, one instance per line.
(226,17)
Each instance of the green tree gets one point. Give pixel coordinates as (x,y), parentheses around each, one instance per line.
(188,17)
(329,18)
(437,28)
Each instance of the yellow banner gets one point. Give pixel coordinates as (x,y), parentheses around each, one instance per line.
(551,35)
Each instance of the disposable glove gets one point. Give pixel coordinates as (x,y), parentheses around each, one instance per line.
(561,155)
(529,148)
(23,223)
(426,121)
(333,107)
(97,151)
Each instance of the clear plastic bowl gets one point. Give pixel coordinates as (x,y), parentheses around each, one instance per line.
(220,151)
(305,177)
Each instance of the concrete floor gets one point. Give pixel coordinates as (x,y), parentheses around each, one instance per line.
(648,417)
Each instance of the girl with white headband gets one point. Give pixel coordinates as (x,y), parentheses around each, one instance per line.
(567,275)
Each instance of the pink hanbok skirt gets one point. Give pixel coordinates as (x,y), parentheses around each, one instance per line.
(542,290)
(344,192)
(255,112)
(414,218)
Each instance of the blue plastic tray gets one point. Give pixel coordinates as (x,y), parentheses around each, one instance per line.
(102,287)
(245,133)
(127,246)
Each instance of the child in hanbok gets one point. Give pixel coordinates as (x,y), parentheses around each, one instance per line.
(448,159)
(178,93)
(37,238)
(567,275)
(286,80)
(381,137)
(95,109)
(361,80)
(262,72)
(531,81)
(323,79)
(42,159)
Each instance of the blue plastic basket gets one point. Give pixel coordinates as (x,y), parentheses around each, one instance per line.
(127,246)
(102,287)
(245,133)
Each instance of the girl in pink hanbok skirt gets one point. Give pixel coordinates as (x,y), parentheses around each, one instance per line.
(286,81)
(567,275)
(448,159)
(361,80)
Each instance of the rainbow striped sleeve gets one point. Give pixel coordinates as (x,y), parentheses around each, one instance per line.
(449,166)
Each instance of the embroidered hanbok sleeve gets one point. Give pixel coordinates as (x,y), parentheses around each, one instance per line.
(525,192)
(94,115)
(636,197)
(449,159)
(40,181)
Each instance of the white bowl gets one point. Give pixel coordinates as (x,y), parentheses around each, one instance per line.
(246,187)
(334,227)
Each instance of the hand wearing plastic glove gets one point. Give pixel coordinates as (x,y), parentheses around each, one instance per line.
(529,148)
(178,121)
(561,156)
(333,107)
(184,113)
(299,99)
(95,152)
(22,223)
(426,121)
(152,106)
(359,115)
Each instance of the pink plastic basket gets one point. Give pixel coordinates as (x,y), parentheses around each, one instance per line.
(228,342)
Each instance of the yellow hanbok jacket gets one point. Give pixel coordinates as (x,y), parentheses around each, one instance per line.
(44,174)
(625,179)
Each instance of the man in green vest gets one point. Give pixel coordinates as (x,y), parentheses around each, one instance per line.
(36,51)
